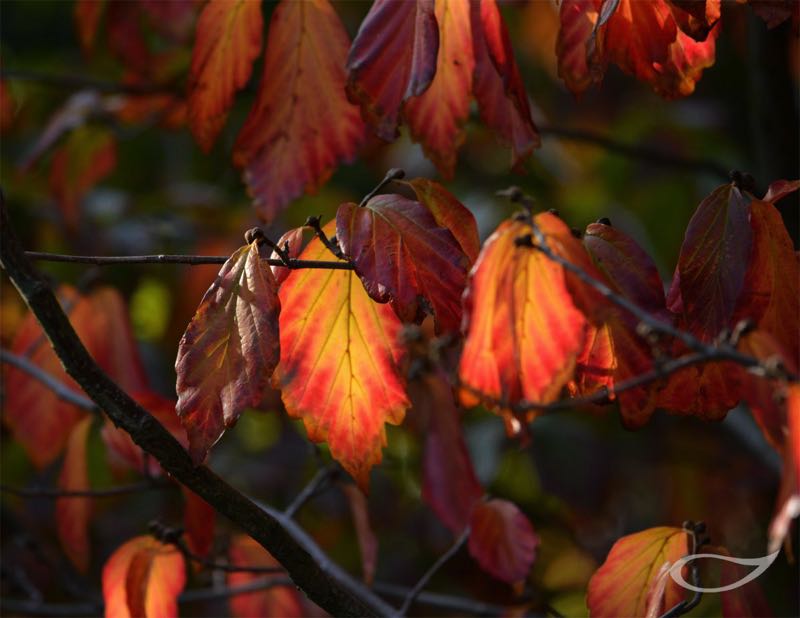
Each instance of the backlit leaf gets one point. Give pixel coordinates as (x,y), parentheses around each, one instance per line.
(402,255)
(227,41)
(502,540)
(229,350)
(142,579)
(393,58)
(301,126)
(577,22)
(498,87)
(340,362)
(281,601)
(523,328)
(73,513)
(695,18)
(620,585)
(436,117)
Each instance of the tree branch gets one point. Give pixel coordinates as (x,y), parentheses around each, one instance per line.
(81,82)
(325,583)
(110,492)
(444,601)
(191,260)
(322,476)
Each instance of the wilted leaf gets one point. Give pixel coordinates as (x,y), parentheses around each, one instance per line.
(227,41)
(402,255)
(620,585)
(502,540)
(73,513)
(301,126)
(523,328)
(498,87)
(436,117)
(367,541)
(281,601)
(340,358)
(393,58)
(449,483)
(229,350)
(142,579)
(38,419)
(86,157)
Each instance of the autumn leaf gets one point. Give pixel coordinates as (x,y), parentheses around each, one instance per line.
(38,419)
(502,540)
(367,541)
(449,213)
(393,58)
(523,328)
(198,522)
(281,601)
(142,579)
(436,117)
(449,483)
(227,41)
(402,255)
(620,586)
(780,189)
(87,14)
(340,362)
(229,350)
(292,243)
(86,157)
(73,513)
(695,18)
(498,87)
(301,126)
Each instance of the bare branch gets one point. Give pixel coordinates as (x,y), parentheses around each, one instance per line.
(109,492)
(393,174)
(331,244)
(323,476)
(444,601)
(82,82)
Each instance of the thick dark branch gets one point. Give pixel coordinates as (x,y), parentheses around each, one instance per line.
(324,582)
(191,260)
(61,390)
(640,153)
(81,82)
(423,581)
(110,492)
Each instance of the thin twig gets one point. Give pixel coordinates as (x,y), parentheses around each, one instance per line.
(211,594)
(322,476)
(393,174)
(331,244)
(423,581)
(61,390)
(444,601)
(694,530)
(80,82)
(109,492)
(191,260)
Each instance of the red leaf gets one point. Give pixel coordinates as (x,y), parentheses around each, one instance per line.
(523,328)
(87,157)
(780,189)
(367,541)
(38,419)
(393,58)
(301,126)
(229,350)
(498,85)
(402,255)
(198,522)
(449,213)
(577,23)
(87,15)
(747,600)
(436,117)
(695,18)
(340,362)
(502,540)
(292,242)
(143,578)
(73,514)
(620,585)
(227,41)
(449,483)
(281,601)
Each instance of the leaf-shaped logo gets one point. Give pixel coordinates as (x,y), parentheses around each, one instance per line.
(763,563)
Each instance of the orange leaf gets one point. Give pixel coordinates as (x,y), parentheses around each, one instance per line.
(367,541)
(38,419)
(498,85)
(301,125)
(227,41)
(142,579)
(87,156)
(393,58)
(578,18)
(620,586)
(449,213)
(502,540)
(281,601)
(402,255)
(523,328)
(436,117)
(229,350)
(340,362)
(73,514)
